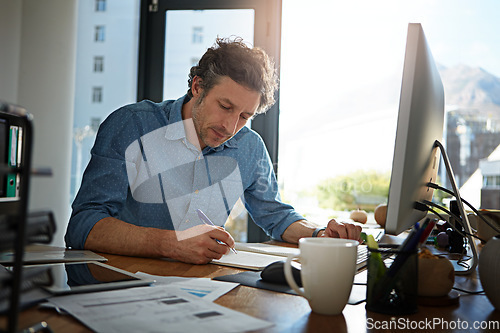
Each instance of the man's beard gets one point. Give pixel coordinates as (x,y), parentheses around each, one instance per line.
(203,132)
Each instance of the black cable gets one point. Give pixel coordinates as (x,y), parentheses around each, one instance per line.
(438,187)
(469,292)
(464,258)
(463,234)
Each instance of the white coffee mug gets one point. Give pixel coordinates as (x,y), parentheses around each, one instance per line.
(328,269)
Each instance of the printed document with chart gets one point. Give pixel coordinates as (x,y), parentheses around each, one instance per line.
(154,309)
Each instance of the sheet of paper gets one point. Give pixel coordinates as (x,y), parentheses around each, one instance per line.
(154,309)
(266,249)
(247,260)
(204,288)
(164,280)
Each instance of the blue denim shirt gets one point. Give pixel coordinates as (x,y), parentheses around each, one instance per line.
(122,179)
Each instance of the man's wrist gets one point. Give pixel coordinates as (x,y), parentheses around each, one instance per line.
(317,231)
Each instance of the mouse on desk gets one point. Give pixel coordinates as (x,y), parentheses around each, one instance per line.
(275,273)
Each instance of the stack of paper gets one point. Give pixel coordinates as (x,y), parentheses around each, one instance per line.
(162,308)
(174,304)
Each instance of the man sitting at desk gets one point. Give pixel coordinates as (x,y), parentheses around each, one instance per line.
(154,164)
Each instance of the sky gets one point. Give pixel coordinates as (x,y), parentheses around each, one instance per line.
(345,44)
(341,69)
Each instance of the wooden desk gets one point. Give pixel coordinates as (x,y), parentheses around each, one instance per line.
(290,313)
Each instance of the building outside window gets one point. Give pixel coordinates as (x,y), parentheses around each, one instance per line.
(119,28)
(367,86)
(349,138)
(490,191)
(98,64)
(100,5)
(99,33)
(96,94)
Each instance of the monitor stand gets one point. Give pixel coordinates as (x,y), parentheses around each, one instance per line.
(472,263)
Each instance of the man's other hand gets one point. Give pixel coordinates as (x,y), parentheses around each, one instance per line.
(342,230)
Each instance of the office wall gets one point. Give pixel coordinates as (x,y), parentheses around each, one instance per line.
(45,37)
(10,40)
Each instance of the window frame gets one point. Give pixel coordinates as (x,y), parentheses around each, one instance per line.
(197,37)
(99,33)
(100,5)
(98,64)
(97,94)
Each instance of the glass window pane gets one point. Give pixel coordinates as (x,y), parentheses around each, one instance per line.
(188,35)
(339,96)
(98,90)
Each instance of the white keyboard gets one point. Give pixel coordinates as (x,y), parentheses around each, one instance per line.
(362,259)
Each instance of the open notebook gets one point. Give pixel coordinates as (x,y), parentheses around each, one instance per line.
(255,256)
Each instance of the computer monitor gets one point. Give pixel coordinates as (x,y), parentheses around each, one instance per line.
(420,124)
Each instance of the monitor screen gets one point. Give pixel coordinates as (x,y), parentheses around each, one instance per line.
(420,124)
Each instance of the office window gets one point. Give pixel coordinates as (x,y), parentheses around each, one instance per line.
(99,33)
(96,94)
(100,5)
(339,96)
(98,64)
(197,35)
(118,78)
(181,53)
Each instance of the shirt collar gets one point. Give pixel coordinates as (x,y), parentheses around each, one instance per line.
(231,143)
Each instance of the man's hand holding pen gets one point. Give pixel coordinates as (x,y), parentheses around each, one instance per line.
(202,243)
(207,221)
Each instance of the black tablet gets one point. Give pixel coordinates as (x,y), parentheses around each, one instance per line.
(69,278)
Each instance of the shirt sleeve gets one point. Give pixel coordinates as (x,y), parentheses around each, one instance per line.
(262,198)
(104,187)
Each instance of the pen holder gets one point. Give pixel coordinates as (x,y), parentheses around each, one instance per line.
(394,289)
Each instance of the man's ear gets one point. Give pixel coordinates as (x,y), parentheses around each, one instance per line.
(196,88)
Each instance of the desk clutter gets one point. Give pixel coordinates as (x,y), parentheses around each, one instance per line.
(173,303)
(193,299)
(254,279)
(182,304)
